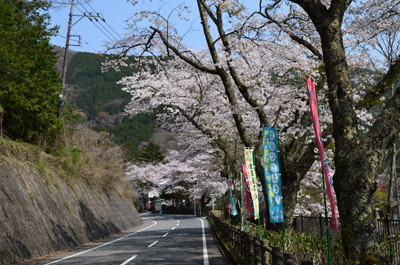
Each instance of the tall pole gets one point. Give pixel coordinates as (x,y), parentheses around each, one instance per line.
(328,239)
(64,69)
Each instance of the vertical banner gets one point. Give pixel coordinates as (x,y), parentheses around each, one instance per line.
(272,174)
(315,120)
(231,203)
(248,202)
(251,178)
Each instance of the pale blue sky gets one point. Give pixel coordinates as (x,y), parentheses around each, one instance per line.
(93,34)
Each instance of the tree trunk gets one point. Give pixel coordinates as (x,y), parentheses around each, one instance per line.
(355,184)
(357,163)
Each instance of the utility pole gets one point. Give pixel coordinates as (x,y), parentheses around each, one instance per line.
(64,69)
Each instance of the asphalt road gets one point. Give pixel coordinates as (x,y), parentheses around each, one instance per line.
(163,239)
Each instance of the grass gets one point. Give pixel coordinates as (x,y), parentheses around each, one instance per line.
(82,154)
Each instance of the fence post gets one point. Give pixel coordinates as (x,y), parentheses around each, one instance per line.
(288,256)
(250,258)
(307,262)
(275,253)
(257,251)
(242,243)
(265,256)
(235,236)
(294,224)
(320,225)
(246,246)
(231,233)
(238,232)
(301,222)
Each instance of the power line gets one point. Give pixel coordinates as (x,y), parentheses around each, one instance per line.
(17,75)
(89,45)
(117,131)
(103,19)
(111,39)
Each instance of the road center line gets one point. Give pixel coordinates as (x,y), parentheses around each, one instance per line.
(173,228)
(205,252)
(108,243)
(128,260)
(165,235)
(153,244)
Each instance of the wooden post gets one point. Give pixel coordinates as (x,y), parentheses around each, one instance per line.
(234,237)
(301,222)
(237,238)
(275,254)
(320,225)
(265,256)
(246,246)
(241,248)
(250,258)
(257,251)
(288,256)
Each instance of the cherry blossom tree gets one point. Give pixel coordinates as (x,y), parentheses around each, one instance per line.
(252,70)
(256,82)
(358,157)
(191,171)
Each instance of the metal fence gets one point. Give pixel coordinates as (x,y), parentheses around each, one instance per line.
(250,248)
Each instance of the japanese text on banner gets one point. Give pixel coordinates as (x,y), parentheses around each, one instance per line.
(272,174)
(250,173)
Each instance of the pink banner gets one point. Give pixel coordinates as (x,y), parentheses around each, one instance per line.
(312,97)
(247,198)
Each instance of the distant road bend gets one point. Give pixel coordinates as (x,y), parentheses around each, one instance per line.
(163,239)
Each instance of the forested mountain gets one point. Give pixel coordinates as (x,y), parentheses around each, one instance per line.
(98,95)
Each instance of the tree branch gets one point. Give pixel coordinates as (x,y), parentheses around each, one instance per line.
(183,57)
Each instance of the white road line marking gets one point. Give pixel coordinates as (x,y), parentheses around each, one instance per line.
(128,260)
(80,253)
(205,252)
(165,235)
(173,228)
(153,244)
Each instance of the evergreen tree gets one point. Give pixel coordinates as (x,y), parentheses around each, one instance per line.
(30,85)
(152,153)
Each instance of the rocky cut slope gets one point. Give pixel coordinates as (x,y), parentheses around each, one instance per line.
(42,212)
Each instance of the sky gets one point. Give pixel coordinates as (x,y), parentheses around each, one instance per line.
(93,34)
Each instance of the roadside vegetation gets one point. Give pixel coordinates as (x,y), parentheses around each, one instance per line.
(31,128)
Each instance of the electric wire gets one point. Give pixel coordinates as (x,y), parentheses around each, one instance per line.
(139,140)
(89,17)
(105,34)
(89,45)
(17,75)
(103,20)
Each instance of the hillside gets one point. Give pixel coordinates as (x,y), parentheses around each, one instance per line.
(99,96)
